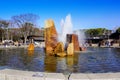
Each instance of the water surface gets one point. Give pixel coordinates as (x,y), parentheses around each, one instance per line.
(94,60)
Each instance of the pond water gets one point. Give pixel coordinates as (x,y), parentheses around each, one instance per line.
(94,60)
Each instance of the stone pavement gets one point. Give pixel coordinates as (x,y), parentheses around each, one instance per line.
(95,76)
(10,74)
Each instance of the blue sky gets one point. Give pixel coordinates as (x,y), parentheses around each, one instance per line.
(85,13)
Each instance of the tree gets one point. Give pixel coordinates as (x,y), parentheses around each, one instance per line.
(116,34)
(36,31)
(97,32)
(27,30)
(4,26)
(25,22)
(4,23)
(1,32)
(100,31)
(118,30)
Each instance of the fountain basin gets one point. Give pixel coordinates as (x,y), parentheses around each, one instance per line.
(94,60)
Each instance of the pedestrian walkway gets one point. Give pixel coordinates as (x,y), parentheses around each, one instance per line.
(10,74)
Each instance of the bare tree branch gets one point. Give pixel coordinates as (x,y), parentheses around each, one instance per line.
(26,23)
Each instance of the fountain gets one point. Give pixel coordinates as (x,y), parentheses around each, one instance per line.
(50,37)
(94,60)
(61,45)
(66,29)
(73,38)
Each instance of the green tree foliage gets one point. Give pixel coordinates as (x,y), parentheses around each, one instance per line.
(118,30)
(4,28)
(95,32)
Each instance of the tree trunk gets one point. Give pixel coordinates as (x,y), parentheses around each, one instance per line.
(2,37)
(25,39)
(11,37)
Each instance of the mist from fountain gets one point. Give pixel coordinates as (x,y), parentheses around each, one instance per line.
(81,37)
(67,28)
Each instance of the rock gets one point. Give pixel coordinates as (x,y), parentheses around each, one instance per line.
(49,23)
(49,50)
(70,49)
(59,50)
(31,46)
(50,36)
(61,54)
(82,48)
(73,38)
(75,42)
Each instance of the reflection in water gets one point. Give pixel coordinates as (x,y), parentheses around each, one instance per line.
(50,63)
(21,59)
(4,56)
(70,61)
(96,60)
(76,61)
(30,52)
(61,64)
(58,64)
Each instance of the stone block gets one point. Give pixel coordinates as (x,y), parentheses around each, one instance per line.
(50,36)
(73,38)
(78,76)
(59,48)
(54,76)
(104,76)
(31,46)
(21,75)
(2,76)
(70,49)
(13,77)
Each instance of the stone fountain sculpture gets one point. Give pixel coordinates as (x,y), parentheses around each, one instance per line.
(31,47)
(73,38)
(53,47)
(50,37)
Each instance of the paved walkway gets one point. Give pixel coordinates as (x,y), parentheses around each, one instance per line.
(97,76)
(10,74)
(113,46)
(12,46)
(25,46)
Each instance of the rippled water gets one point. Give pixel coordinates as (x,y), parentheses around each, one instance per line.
(94,60)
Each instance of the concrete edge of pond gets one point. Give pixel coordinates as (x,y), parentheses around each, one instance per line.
(11,74)
(95,76)
(13,47)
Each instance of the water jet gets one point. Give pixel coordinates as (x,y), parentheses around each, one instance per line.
(61,45)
